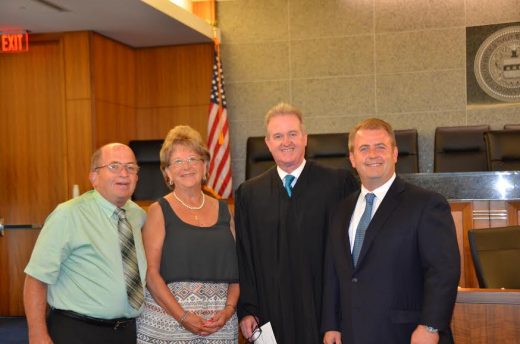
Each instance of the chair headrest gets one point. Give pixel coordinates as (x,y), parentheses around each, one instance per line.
(503,144)
(257,149)
(460,139)
(146,151)
(327,145)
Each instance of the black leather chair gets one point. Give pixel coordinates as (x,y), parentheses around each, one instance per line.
(503,150)
(258,157)
(496,256)
(408,159)
(460,149)
(329,149)
(150,185)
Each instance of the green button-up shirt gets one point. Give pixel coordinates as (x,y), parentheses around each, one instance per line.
(77,255)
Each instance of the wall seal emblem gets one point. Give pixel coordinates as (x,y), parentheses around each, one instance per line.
(497,65)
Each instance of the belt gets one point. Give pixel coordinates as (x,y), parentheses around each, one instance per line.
(114,323)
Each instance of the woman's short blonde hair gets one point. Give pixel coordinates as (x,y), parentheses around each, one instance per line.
(182,135)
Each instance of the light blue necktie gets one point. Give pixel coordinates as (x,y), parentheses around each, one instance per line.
(362,226)
(287,183)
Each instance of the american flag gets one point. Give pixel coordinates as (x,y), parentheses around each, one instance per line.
(219,181)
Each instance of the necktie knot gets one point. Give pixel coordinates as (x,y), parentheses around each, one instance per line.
(287,183)
(121,213)
(369,198)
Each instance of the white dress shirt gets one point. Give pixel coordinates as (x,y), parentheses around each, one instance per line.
(296,173)
(380,193)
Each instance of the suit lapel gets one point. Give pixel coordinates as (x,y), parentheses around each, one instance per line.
(343,222)
(386,208)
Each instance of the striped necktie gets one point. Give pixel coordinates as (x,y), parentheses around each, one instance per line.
(362,227)
(287,183)
(134,286)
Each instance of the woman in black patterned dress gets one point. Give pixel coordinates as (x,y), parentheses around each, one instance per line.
(192,278)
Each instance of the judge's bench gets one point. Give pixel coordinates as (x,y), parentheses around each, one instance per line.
(480,200)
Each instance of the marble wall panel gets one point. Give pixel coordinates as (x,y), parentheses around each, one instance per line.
(421,91)
(495,116)
(421,50)
(315,19)
(335,96)
(333,124)
(255,61)
(238,168)
(251,100)
(341,56)
(249,21)
(238,131)
(485,12)
(392,15)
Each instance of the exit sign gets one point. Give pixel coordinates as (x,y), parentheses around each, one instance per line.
(14,42)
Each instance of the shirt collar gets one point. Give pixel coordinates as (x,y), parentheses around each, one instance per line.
(381,191)
(296,173)
(108,207)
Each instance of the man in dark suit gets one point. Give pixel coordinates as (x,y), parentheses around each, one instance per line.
(281,219)
(392,264)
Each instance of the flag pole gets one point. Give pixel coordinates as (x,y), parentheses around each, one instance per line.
(216,42)
(219,178)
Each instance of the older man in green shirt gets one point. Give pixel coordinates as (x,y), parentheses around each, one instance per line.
(88,263)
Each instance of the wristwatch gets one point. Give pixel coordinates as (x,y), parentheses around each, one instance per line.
(431,329)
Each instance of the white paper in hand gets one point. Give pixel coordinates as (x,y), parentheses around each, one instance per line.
(267,335)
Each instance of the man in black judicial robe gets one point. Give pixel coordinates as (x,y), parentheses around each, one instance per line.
(281,238)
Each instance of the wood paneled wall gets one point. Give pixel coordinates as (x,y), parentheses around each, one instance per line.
(15,251)
(79,108)
(32,174)
(169,92)
(33,155)
(142,93)
(71,93)
(113,81)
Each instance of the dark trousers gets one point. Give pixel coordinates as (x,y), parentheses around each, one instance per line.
(66,330)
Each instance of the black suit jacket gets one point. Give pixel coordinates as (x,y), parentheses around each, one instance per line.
(407,273)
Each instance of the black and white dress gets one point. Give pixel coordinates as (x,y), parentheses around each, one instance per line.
(198,264)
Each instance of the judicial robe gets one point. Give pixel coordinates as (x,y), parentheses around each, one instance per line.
(280,247)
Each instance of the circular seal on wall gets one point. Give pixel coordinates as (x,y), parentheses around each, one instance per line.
(497,65)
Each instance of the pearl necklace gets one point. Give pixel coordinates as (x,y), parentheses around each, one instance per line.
(189,206)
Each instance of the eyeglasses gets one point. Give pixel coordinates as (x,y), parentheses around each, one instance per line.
(257,332)
(190,161)
(117,167)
